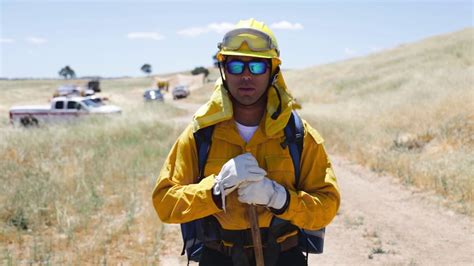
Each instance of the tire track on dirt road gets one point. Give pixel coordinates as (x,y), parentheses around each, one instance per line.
(383,222)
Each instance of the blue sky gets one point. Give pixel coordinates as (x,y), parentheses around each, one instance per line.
(115,38)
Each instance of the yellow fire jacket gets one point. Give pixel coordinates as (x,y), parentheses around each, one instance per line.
(178,197)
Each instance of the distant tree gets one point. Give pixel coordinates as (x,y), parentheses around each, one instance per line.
(199,70)
(146,68)
(66,72)
(214,60)
(63,72)
(72,74)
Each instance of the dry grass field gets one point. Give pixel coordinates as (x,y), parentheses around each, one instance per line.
(81,192)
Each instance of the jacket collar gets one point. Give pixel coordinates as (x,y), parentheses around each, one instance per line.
(227,130)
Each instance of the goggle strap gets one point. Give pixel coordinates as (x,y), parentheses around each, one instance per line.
(274,79)
(277,112)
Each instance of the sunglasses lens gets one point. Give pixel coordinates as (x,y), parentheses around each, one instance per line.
(257,68)
(235,67)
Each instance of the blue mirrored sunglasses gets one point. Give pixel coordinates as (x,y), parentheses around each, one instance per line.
(237,67)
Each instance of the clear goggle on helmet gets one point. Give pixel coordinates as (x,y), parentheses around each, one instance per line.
(256,40)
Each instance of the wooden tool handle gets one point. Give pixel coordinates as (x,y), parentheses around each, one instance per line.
(256,237)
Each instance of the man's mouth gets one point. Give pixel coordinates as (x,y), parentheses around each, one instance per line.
(246,89)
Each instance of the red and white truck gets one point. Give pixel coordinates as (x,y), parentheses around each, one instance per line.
(60,109)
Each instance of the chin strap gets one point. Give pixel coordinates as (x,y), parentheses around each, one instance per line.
(277,112)
(219,64)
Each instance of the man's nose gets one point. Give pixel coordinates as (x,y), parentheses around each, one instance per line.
(246,75)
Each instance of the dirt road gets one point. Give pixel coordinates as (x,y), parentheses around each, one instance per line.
(383,222)
(380,222)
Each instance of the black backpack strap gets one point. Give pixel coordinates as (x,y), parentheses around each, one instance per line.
(310,240)
(190,231)
(294,134)
(203,139)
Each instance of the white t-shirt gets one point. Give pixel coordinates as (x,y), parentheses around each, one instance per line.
(246,132)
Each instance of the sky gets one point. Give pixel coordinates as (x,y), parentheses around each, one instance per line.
(115,38)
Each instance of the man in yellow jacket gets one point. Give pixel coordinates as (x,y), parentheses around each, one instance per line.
(247,163)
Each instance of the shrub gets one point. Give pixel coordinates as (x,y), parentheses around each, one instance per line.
(199,70)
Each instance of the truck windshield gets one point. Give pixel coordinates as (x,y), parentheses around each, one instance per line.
(90,103)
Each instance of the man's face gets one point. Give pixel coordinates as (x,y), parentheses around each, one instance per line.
(247,88)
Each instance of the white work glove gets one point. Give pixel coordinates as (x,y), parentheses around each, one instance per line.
(264,192)
(240,169)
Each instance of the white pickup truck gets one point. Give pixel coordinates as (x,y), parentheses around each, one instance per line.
(60,109)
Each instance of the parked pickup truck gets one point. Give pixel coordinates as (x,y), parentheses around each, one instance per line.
(60,109)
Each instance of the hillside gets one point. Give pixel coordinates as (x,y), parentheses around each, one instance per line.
(406,111)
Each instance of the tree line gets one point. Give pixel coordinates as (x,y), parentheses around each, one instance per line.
(68,73)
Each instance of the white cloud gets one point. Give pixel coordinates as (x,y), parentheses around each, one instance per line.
(193,32)
(36,40)
(6,40)
(213,27)
(224,27)
(350,52)
(285,25)
(221,27)
(146,35)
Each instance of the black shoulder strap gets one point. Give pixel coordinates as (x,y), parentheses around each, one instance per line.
(294,134)
(203,139)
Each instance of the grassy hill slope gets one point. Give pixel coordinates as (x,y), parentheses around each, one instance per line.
(408,111)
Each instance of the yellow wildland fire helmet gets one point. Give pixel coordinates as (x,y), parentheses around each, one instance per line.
(250,38)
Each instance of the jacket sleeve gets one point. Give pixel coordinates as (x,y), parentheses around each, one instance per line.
(316,201)
(176,197)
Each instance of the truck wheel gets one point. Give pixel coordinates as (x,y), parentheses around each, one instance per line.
(25,121)
(34,121)
(28,121)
